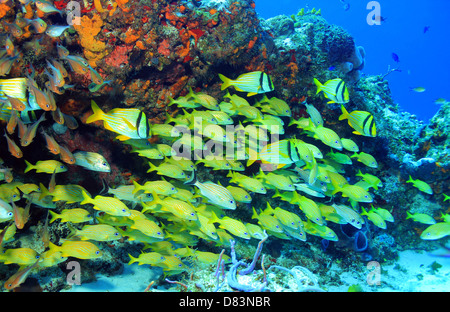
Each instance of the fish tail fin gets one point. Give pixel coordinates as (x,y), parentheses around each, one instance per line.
(86,198)
(344,113)
(29,166)
(193,178)
(152,167)
(255,214)
(410,180)
(137,187)
(214,218)
(44,191)
(53,248)
(132,259)
(226,82)
(319,85)
(54,216)
(408,215)
(97,115)
(73,231)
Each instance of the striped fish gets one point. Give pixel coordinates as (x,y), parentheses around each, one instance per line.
(69,193)
(335,90)
(254,83)
(215,193)
(280,153)
(15,88)
(363,122)
(314,114)
(349,215)
(91,161)
(130,123)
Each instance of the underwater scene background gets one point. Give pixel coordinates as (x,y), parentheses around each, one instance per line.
(208,146)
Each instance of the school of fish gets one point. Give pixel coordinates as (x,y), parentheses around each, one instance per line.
(241,139)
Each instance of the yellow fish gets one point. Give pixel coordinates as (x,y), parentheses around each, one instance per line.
(70,193)
(152,258)
(436,231)
(233,226)
(349,145)
(422,186)
(148,227)
(46,166)
(421,217)
(276,181)
(110,205)
(355,192)
(20,256)
(268,222)
(239,194)
(130,123)
(366,159)
(310,208)
(335,90)
(215,193)
(328,137)
(97,232)
(363,122)
(77,249)
(373,216)
(247,183)
(160,187)
(73,215)
(177,207)
(169,170)
(254,83)
(349,215)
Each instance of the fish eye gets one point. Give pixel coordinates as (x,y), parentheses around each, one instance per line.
(37,257)
(104,164)
(172,189)
(231,201)
(123,210)
(193,214)
(245,196)
(336,141)
(180,265)
(14,195)
(116,234)
(62,167)
(97,252)
(277,226)
(245,233)
(10,214)
(158,233)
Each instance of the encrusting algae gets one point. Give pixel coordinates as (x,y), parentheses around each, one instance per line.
(221,146)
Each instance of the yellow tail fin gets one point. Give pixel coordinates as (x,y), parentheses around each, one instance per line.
(318,84)
(344,113)
(226,82)
(97,115)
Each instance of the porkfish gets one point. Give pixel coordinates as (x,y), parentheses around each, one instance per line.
(256,82)
(129,123)
(363,122)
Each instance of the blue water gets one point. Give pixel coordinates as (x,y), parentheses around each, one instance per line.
(423,56)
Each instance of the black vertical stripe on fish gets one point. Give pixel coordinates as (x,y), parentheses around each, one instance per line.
(366,120)
(147,130)
(261,80)
(339,92)
(269,80)
(138,122)
(293,148)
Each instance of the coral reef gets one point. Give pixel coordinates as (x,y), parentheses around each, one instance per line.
(144,55)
